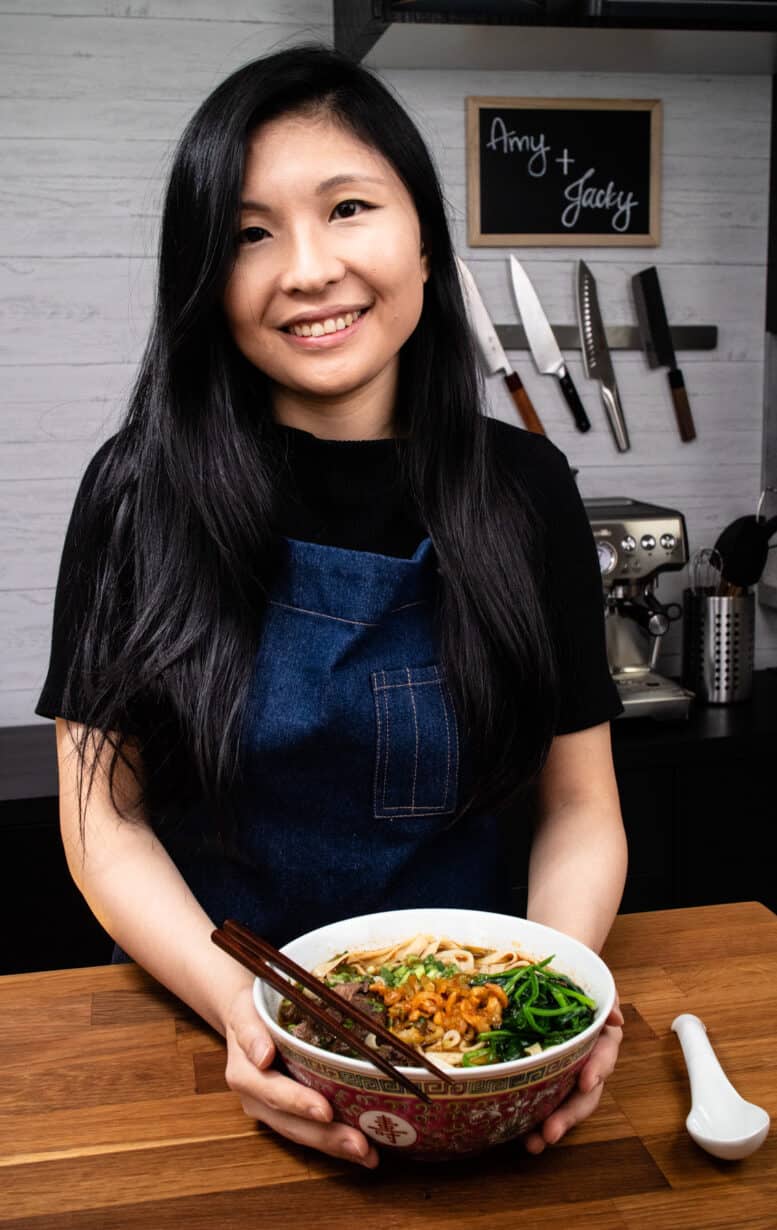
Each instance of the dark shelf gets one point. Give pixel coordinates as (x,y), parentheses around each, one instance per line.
(580,35)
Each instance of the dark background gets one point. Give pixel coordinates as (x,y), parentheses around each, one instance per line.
(699,800)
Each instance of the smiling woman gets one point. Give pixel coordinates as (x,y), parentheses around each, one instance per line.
(312,638)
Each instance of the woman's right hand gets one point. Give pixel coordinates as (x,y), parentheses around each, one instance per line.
(289,1108)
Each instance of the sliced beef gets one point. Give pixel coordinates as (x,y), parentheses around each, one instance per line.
(356,993)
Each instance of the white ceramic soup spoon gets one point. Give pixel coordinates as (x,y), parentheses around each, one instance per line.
(720,1120)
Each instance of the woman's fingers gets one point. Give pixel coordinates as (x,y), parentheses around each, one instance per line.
(271,1089)
(578,1106)
(247,1030)
(616,1017)
(289,1108)
(585,1096)
(336,1139)
(298,1113)
(602,1059)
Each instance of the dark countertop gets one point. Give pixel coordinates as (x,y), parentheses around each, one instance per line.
(639,740)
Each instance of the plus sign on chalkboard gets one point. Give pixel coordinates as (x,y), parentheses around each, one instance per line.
(563,171)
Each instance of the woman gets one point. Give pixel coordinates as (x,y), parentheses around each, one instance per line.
(313,638)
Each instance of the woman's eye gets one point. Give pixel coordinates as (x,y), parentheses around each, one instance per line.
(251,234)
(351,208)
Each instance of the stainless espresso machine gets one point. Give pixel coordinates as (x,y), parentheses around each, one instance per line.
(635,543)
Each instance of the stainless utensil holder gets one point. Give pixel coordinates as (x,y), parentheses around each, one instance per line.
(718,647)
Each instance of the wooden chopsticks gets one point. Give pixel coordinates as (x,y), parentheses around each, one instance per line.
(260,957)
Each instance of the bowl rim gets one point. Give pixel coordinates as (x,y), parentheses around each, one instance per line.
(490,1071)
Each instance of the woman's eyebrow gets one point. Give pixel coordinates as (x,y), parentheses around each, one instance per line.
(334,181)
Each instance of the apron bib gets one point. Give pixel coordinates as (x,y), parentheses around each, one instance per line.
(355,760)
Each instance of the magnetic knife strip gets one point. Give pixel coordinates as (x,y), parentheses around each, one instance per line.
(619,337)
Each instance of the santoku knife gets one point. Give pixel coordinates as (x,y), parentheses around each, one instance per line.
(492,351)
(596,354)
(543,344)
(657,341)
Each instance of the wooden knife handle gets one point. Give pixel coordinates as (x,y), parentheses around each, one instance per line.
(682,407)
(523,402)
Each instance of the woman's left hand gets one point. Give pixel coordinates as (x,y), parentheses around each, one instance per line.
(584,1098)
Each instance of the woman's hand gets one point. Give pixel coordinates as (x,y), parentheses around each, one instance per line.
(289,1108)
(584,1098)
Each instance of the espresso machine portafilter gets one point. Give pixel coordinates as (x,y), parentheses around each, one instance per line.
(635,543)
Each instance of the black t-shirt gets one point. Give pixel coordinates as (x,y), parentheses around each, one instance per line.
(348,493)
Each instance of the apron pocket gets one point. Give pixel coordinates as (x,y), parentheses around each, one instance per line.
(417,743)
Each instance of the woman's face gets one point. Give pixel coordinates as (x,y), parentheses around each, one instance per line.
(327,230)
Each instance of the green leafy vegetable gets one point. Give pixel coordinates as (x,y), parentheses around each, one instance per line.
(543,1007)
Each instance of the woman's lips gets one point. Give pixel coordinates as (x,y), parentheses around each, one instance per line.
(326,339)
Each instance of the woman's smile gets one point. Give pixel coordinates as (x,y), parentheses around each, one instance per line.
(323,333)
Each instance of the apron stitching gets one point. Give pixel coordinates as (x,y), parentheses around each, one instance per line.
(362,623)
(365,623)
(378,755)
(388,743)
(421,808)
(420,602)
(447,736)
(416,683)
(415,722)
(449,694)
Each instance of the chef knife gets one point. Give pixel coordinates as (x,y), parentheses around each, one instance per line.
(596,353)
(657,341)
(492,351)
(543,344)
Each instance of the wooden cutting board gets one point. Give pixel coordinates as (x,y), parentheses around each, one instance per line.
(114,1113)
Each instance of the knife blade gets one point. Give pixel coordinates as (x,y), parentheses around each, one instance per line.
(542,343)
(657,342)
(492,351)
(597,360)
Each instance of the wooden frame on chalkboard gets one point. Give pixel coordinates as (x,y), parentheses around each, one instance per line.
(599,194)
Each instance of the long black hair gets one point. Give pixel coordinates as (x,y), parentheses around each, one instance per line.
(187,488)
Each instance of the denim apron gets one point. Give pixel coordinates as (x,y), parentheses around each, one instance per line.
(355,759)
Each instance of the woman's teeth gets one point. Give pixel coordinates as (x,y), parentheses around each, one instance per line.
(333,324)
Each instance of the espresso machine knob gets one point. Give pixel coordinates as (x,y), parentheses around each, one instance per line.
(662,613)
(648,542)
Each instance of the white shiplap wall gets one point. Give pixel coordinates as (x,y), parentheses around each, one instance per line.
(95,95)
(712,262)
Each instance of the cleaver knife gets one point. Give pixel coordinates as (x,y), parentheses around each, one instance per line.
(657,342)
(492,351)
(542,343)
(596,354)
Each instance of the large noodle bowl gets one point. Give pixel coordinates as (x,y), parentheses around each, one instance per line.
(462,1004)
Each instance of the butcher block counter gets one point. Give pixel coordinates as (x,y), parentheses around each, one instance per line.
(114,1113)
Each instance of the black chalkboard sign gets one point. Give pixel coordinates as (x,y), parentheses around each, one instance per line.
(563,171)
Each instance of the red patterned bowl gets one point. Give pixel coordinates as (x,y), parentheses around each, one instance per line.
(488,1104)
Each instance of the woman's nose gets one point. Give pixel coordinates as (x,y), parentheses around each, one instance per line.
(310,264)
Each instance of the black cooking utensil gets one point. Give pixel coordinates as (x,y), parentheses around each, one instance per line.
(743,546)
(657,342)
